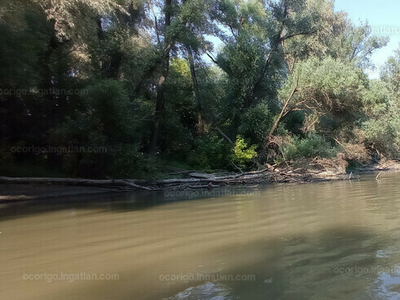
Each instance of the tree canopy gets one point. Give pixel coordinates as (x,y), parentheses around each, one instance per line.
(133,86)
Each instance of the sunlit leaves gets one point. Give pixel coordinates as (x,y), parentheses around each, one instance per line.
(325,87)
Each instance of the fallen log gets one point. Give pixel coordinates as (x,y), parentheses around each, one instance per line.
(211,179)
(248,178)
(201,175)
(76,181)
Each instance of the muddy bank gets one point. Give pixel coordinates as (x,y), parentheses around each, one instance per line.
(23,188)
(301,171)
(385,165)
(24,192)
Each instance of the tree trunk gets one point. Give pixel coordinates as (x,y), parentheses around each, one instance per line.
(160,86)
(46,84)
(110,68)
(158,116)
(200,120)
(282,113)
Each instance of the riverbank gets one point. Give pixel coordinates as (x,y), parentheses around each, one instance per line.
(26,188)
(25,192)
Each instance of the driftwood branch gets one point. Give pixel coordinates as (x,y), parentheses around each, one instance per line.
(268,175)
(224,135)
(77,181)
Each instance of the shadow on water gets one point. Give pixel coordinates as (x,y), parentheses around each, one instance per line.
(124,201)
(131,201)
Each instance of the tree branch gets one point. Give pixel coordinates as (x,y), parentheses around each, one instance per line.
(224,135)
(212,58)
(282,113)
(288,36)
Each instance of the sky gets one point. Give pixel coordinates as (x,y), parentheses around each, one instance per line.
(384,18)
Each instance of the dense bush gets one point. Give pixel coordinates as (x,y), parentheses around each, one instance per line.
(242,154)
(127,161)
(382,125)
(211,152)
(309,147)
(256,123)
(103,124)
(384,135)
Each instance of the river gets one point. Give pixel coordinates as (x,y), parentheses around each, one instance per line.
(331,240)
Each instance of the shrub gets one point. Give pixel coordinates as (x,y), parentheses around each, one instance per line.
(210,153)
(126,161)
(312,146)
(256,123)
(242,154)
(383,135)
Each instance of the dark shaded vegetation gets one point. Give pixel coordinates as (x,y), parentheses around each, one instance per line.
(101,88)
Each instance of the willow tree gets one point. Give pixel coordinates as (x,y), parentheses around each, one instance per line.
(322,88)
(255,34)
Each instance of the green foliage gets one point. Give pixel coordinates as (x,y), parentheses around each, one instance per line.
(331,83)
(309,147)
(382,124)
(242,154)
(377,99)
(142,83)
(390,73)
(104,122)
(127,161)
(210,153)
(325,89)
(255,123)
(383,134)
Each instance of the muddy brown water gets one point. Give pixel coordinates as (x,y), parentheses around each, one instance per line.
(332,240)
